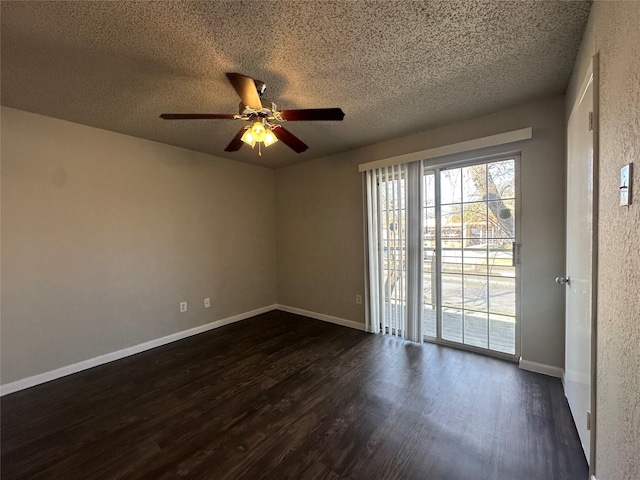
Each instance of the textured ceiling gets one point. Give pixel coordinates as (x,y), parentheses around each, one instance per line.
(394,67)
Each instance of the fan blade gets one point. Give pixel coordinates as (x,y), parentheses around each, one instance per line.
(246,89)
(197,116)
(313,114)
(290,139)
(235,143)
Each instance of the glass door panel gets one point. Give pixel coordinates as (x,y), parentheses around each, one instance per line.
(468,257)
(429,263)
(476,331)
(452,324)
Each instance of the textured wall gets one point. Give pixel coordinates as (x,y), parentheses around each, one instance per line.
(320,223)
(103,234)
(613,31)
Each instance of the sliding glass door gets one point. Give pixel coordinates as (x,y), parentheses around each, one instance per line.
(443,253)
(470,247)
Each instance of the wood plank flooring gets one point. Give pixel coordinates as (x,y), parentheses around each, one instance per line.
(281,396)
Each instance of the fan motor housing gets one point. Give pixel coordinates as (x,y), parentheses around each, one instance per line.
(263,112)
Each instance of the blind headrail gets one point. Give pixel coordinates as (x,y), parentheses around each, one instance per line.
(460,147)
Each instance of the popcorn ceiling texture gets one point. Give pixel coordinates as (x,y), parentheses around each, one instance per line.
(395,67)
(613,32)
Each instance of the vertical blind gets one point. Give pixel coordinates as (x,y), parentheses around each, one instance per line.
(394,228)
(441,252)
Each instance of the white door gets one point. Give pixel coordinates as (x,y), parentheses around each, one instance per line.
(579,261)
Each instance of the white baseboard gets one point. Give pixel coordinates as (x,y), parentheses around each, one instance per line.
(323,317)
(125,352)
(541,368)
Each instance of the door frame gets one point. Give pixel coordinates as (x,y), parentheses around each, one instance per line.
(595,71)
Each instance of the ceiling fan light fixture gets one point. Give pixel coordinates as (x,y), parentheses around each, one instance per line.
(258,131)
(248,138)
(269,138)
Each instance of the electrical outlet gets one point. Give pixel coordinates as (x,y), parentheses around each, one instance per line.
(183,307)
(359,299)
(207,302)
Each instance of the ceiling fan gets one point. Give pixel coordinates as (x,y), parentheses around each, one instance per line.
(262,115)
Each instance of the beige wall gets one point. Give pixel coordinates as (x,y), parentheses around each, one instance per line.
(320,223)
(320,237)
(613,32)
(103,234)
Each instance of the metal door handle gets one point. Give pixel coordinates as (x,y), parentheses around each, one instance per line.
(563,280)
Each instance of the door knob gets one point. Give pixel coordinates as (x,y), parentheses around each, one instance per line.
(563,280)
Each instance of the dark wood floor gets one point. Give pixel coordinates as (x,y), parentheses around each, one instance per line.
(281,396)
